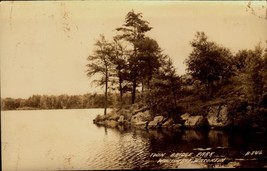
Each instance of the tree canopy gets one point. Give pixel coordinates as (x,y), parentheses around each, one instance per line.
(208,62)
(100,63)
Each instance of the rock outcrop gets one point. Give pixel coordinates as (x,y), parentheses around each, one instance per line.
(121,120)
(141,119)
(218,116)
(111,123)
(168,123)
(156,122)
(194,121)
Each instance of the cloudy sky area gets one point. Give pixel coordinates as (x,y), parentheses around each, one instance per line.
(44,45)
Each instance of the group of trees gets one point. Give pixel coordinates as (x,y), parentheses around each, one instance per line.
(254,63)
(209,62)
(134,63)
(214,65)
(131,61)
(55,102)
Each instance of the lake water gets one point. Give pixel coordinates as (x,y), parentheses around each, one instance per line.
(68,140)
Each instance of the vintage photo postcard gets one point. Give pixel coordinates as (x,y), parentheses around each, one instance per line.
(104,85)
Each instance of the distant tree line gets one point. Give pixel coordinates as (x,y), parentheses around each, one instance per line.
(55,102)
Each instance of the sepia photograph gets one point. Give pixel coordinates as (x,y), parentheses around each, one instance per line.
(133,85)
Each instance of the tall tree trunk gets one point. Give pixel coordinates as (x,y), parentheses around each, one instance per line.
(106,92)
(143,84)
(175,99)
(120,87)
(134,90)
(208,89)
(134,79)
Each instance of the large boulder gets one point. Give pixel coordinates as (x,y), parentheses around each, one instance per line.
(121,120)
(175,127)
(168,123)
(140,125)
(194,121)
(156,123)
(140,120)
(218,116)
(185,116)
(113,116)
(111,123)
(126,113)
(141,117)
(100,123)
(99,118)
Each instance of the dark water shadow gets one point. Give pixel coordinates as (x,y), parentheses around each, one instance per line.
(229,146)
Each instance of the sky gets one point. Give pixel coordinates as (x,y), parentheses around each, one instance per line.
(44,45)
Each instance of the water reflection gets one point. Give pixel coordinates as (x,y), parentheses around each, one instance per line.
(218,139)
(68,140)
(228,149)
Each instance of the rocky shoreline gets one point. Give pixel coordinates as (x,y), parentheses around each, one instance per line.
(140,118)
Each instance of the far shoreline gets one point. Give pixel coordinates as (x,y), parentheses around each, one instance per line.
(31,108)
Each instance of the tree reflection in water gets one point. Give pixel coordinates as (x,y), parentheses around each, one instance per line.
(228,147)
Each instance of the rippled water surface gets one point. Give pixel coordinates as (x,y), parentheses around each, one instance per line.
(68,139)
